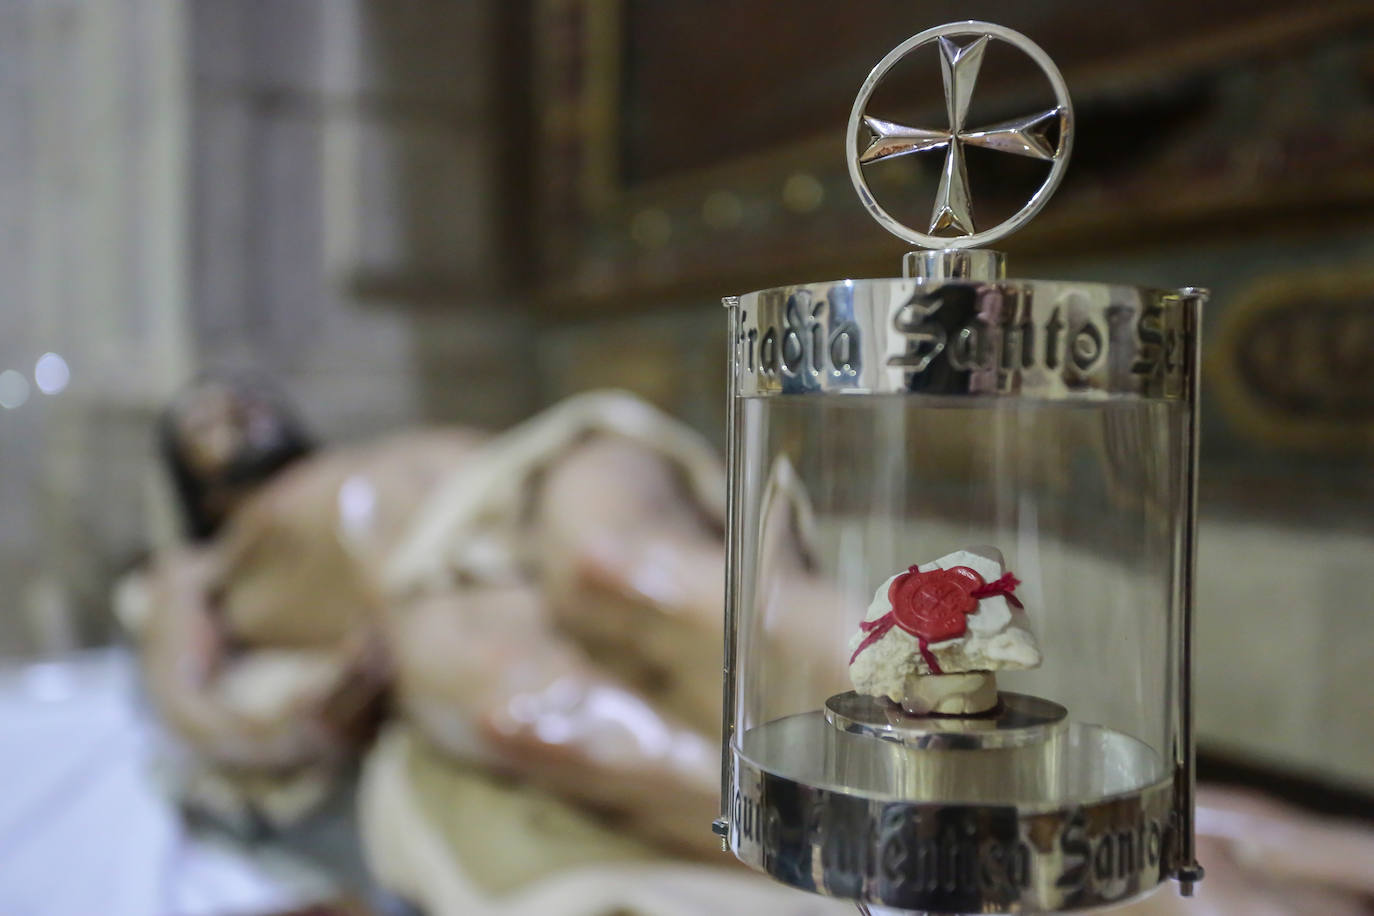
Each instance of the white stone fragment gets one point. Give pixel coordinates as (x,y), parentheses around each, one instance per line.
(998,638)
(950,694)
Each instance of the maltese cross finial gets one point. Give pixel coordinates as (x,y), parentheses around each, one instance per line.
(1025,136)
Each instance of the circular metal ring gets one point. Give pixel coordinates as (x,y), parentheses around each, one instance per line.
(1019,721)
(1037,200)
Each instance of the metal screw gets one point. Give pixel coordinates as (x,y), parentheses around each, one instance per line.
(1187,877)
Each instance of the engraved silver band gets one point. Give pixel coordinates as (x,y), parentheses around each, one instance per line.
(942,858)
(1029,338)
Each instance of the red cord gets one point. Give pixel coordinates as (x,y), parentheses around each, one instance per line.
(1003,586)
(877,629)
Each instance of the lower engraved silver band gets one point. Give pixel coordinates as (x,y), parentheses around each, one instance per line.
(951,858)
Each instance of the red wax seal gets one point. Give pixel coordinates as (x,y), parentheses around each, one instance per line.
(933,606)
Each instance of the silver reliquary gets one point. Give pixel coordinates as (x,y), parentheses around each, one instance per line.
(961,554)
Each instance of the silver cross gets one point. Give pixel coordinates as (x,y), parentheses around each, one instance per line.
(1025,136)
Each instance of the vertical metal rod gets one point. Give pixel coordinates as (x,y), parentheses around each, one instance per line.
(732,457)
(1187,870)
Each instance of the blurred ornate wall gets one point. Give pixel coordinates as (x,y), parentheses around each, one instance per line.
(316,190)
(426,210)
(351,233)
(692,150)
(92,175)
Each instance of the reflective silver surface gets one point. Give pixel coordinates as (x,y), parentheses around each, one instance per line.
(1186,868)
(1017,721)
(961,46)
(1034,338)
(732,501)
(981,264)
(1085,763)
(883,810)
(1075,822)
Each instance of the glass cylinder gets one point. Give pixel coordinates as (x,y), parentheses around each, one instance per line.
(904,451)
